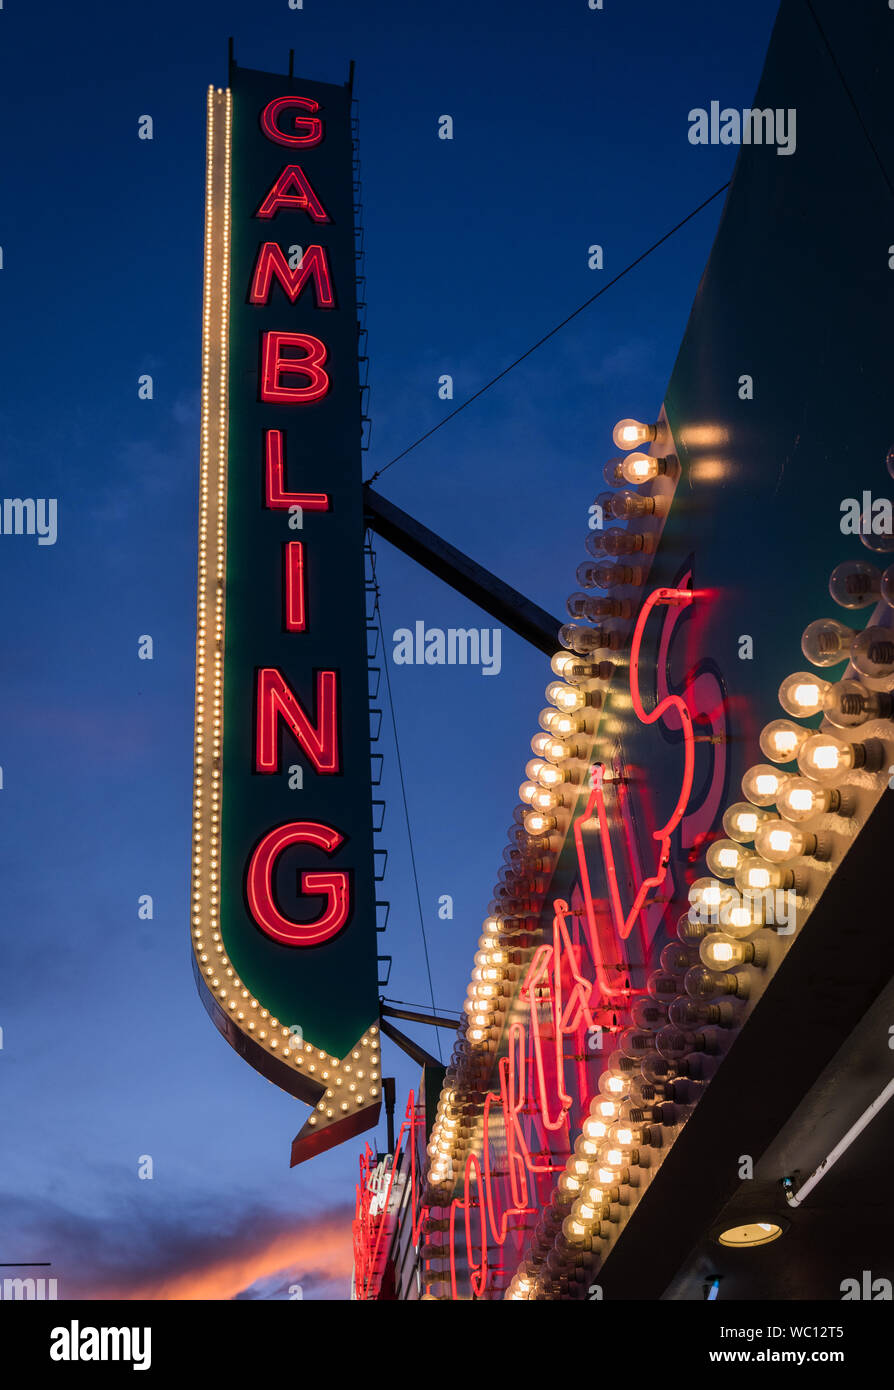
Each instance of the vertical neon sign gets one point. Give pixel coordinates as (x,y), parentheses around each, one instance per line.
(283,920)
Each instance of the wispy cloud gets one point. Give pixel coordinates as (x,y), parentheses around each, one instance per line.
(194,1254)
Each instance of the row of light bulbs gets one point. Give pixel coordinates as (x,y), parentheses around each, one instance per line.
(220,977)
(622,1135)
(553,777)
(626,1117)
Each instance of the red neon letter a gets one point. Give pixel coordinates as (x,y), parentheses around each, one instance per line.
(275,699)
(292,190)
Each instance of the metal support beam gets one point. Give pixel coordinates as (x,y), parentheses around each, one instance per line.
(433,1020)
(412,1049)
(507,605)
(388,1092)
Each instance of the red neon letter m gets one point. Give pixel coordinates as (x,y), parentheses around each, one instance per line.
(314,265)
(275,700)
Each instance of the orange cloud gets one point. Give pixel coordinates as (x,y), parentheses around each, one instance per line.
(321,1248)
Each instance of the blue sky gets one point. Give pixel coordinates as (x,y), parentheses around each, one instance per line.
(570,129)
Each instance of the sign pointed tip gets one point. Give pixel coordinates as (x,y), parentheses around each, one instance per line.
(320,1133)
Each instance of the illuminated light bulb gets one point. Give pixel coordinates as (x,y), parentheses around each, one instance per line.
(565,697)
(709,894)
(802,694)
(537,823)
(569,1182)
(619,542)
(557,751)
(742,917)
(626,505)
(533,768)
(551,776)
(761,874)
(545,800)
(594,1128)
(802,799)
(826,642)
(780,842)
(560,724)
(781,740)
(719,951)
(762,784)
(627,1138)
(855,584)
(540,746)
(642,468)
(826,758)
(849,703)
(873,653)
(614,1084)
(742,821)
(573,1229)
(613,472)
(567,723)
(527,791)
(724,857)
(630,434)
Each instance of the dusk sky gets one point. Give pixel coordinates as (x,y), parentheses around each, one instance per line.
(570,129)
